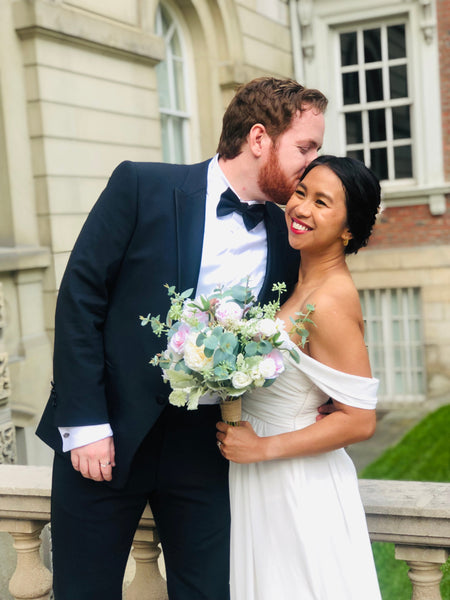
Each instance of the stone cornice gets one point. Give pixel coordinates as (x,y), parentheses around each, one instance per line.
(19,258)
(44,19)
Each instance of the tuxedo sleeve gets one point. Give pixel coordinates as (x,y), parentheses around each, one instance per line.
(85,292)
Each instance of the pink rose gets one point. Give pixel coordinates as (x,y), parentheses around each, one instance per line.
(178,339)
(228,313)
(277,358)
(195,313)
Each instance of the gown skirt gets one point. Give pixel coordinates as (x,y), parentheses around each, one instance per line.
(298,528)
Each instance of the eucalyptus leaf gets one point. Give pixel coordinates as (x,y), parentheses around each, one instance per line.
(264,347)
(186,293)
(251,349)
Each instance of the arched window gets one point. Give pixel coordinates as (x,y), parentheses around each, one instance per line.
(172,88)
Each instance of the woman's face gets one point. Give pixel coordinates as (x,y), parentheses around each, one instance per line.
(316,213)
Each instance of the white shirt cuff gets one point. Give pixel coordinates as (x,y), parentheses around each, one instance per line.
(74,437)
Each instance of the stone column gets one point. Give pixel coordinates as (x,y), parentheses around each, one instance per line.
(424,569)
(7,431)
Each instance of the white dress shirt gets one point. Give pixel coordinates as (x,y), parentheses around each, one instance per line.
(230,255)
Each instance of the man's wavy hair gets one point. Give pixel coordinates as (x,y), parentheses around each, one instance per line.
(269,101)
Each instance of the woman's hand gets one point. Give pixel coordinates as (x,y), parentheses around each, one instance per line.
(240,444)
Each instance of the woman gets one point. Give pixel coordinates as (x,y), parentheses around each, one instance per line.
(298,525)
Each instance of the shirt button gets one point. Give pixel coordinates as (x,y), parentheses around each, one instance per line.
(66,435)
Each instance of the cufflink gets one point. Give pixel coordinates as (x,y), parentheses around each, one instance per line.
(66,435)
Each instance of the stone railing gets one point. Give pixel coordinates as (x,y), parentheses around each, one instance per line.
(415,516)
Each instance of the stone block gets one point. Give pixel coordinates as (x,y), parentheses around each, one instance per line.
(83,61)
(259,25)
(275,61)
(114,9)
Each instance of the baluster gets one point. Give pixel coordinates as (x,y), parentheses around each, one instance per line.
(31,579)
(148,584)
(424,570)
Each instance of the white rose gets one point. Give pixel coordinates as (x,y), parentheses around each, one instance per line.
(194,356)
(267,327)
(240,380)
(267,368)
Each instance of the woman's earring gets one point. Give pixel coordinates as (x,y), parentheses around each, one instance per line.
(345,242)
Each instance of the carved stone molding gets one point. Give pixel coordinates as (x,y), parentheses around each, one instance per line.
(8,454)
(427,22)
(305,12)
(2,309)
(5,383)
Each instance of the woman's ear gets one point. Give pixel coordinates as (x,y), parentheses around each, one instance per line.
(346,237)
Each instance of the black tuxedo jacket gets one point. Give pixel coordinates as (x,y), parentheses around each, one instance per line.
(145,230)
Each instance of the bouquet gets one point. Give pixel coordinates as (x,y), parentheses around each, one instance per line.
(223,344)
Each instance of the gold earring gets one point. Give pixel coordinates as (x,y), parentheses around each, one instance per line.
(345,242)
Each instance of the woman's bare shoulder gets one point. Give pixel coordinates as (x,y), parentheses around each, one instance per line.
(337,295)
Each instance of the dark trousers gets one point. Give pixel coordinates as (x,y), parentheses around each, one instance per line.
(179,470)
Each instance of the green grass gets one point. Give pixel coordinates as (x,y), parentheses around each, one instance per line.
(422,455)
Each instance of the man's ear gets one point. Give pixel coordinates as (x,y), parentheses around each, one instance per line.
(257,139)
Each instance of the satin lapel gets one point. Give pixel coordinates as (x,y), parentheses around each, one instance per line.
(275,268)
(190,224)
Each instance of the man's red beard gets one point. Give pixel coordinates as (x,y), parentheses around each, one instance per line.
(273,182)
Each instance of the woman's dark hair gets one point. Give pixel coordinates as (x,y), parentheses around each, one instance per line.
(362,196)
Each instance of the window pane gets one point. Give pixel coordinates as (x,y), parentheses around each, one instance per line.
(165,137)
(178,146)
(372,45)
(377,125)
(165,20)
(356,154)
(398,81)
(353,128)
(163,85)
(178,72)
(396,41)
(348,49)
(374,85)
(378,162)
(350,85)
(401,122)
(175,45)
(403,161)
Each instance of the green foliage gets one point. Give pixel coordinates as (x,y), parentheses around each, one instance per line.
(422,455)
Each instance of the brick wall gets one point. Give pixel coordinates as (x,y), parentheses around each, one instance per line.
(411,226)
(443,20)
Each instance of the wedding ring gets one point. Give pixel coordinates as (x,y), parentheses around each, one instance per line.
(105,464)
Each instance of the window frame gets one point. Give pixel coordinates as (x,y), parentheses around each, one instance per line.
(321,63)
(411,370)
(173,114)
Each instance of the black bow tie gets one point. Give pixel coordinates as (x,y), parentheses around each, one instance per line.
(252,214)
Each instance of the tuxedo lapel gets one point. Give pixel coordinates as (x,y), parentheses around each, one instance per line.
(282,261)
(190,224)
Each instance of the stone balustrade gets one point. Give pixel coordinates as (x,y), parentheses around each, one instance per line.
(415,516)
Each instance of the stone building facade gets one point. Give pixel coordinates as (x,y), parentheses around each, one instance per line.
(86,84)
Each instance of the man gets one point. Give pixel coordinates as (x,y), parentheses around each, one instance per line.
(118,443)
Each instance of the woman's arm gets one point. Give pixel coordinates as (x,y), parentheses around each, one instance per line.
(347,425)
(337,340)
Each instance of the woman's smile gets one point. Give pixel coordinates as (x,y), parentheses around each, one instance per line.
(299,227)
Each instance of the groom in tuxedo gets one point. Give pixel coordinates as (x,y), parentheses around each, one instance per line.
(118,443)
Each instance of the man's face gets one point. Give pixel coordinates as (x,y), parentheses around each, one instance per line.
(292,153)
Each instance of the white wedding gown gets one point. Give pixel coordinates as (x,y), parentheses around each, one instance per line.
(298,529)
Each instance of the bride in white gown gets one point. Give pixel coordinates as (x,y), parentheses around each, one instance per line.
(298,529)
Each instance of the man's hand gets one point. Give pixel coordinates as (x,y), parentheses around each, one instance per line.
(326,409)
(95,461)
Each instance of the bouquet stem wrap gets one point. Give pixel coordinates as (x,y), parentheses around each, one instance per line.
(231,410)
